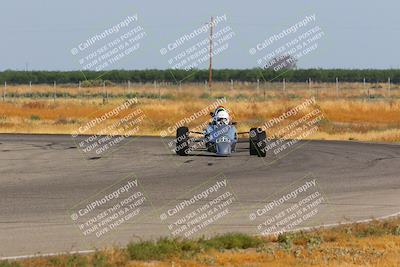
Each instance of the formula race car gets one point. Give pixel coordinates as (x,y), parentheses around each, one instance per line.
(220,137)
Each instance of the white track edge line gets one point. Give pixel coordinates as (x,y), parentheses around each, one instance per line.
(294,230)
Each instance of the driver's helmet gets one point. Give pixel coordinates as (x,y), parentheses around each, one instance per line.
(218,109)
(222,117)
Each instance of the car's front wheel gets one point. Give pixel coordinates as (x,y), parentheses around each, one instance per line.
(182,141)
(257,142)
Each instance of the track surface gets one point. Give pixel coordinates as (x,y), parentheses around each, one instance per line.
(42,176)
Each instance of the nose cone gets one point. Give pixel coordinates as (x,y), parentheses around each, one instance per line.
(223,149)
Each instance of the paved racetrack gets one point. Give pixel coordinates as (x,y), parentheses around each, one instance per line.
(44,176)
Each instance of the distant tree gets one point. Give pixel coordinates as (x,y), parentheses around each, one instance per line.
(286,64)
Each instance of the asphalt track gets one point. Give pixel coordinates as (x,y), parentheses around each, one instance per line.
(44,176)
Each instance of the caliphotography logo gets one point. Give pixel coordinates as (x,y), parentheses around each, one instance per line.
(104,49)
(197,213)
(108,131)
(299,205)
(111,209)
(194,49)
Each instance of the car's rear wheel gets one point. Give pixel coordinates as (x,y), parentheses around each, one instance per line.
(257,141)
(182,141)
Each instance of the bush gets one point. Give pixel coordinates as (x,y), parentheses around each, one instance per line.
(314,241)
(396,231)
(150,250)
(76,261)
(285,241)
(100,260)
(35,118)
(232,241)
(9,264)
(371,230)
(96,83)
(164,248)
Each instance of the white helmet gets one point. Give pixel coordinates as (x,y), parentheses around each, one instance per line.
(222,117)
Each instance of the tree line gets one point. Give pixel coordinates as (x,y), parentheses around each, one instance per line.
(219,75)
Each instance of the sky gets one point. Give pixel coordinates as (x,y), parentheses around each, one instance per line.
(42,34)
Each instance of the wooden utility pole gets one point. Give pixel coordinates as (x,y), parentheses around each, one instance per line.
(258,85)
(104,92)
(337,87)
(211,44)
(264,93)
(55,92)
(4,91)
(364,84)
(284,85)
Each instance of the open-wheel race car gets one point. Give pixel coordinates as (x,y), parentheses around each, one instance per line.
(220,137)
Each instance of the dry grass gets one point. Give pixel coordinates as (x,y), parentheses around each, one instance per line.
(376,243)
(350,117)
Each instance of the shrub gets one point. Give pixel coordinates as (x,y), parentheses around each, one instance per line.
(35,118)
(232,241)
(163,248)
(96,83)
(9,264)
(285,241)
(150,250)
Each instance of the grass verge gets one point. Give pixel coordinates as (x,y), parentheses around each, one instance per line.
(343,119)
(376,243)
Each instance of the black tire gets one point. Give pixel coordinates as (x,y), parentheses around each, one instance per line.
(253,141)
(182,141)
(262,144)
(210,147)
(257,142)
